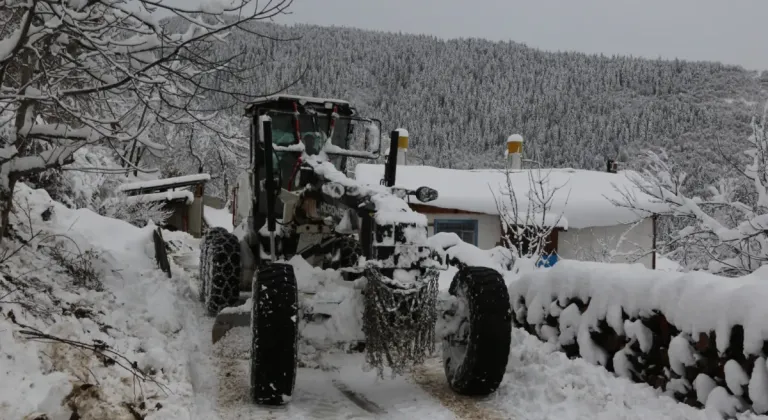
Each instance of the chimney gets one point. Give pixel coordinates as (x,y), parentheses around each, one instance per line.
(402,145)
(514,152)
(613,166)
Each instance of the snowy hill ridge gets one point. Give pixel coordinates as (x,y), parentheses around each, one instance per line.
(700,337)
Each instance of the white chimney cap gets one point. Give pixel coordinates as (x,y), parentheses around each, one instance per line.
(515,138)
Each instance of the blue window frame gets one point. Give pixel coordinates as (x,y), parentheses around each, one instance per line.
(465,228)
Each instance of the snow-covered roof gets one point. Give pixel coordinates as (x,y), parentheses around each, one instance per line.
(583,198)
(184,195)
(178,181)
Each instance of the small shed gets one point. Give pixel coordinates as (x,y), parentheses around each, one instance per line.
(184,195)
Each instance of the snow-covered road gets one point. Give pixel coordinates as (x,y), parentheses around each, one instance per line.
(540,384)
(338,390)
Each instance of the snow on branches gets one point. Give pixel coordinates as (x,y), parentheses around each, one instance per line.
(729,230)
(76,73)
(528,230)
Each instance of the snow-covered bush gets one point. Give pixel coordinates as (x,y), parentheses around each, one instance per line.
(727,231)
(136,212)
(79,265)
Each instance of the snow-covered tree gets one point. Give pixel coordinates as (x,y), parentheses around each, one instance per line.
(76,73)
(725,232)
(528,221)
(219,148)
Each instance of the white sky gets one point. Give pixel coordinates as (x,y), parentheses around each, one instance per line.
(731,31)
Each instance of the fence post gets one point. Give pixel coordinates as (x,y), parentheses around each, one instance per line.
(161,254)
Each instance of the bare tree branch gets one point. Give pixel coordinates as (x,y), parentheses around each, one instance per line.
(104,72)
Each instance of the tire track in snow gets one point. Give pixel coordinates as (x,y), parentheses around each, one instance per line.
(431,378)
(315,396)
(398,396)
(359,400)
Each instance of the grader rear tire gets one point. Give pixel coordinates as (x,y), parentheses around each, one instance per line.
(275,332)
(210,236)
(475,356)
(220,271)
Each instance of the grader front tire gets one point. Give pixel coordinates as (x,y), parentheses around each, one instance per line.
(274,330)
(475,356)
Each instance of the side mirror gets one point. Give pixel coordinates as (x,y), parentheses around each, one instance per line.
(426,194)
(372,138)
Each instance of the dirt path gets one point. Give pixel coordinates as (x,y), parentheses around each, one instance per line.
(431,378)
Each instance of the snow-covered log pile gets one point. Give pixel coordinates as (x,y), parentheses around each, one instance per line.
(699,337)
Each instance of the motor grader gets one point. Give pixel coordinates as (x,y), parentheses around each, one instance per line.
(296,200)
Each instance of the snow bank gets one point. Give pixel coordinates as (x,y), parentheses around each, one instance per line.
(449,246)
(336,307)
(665,264)
(218,218)
(131,307)
(583,198)
(542,383)
(686,299)
(662,327)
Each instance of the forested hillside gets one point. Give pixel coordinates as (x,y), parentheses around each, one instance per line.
(461,98)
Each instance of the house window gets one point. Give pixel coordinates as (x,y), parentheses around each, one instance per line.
(465,228)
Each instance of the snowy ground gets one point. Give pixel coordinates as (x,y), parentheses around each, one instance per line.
(158,323)
(540,384)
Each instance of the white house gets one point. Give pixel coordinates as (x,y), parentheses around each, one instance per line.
(586,224)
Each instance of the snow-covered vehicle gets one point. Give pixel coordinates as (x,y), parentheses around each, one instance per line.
(295,200)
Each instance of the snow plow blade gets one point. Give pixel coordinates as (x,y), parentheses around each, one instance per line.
(228,319)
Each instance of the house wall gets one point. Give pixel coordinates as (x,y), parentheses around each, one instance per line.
(595,244)
(488,226)
(588,244)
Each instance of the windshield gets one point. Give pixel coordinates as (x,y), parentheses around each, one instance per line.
(313,133)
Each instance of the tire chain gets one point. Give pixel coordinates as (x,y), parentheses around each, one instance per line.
(219,270)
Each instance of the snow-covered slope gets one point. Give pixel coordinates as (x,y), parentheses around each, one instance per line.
(128,310)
